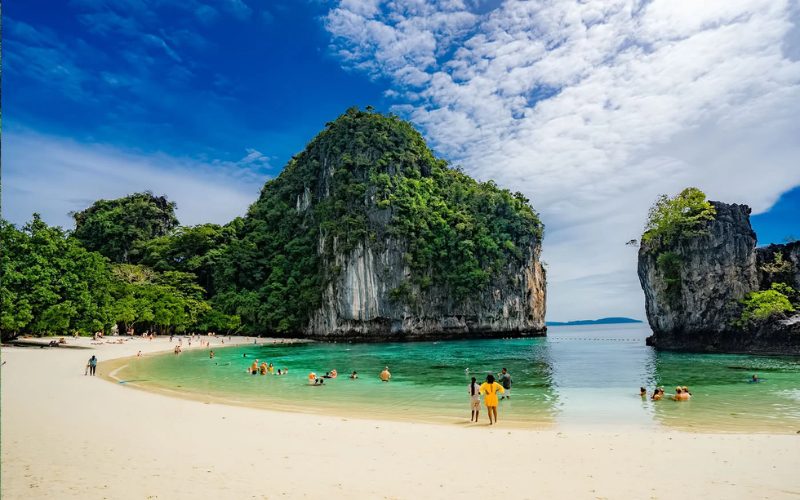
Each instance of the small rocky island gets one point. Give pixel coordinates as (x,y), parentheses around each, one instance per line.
(367,235)
(708,288)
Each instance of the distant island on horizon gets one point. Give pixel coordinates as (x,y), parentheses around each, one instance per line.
(601,321)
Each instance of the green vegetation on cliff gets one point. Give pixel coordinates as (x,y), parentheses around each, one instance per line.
(682,216)
(766,304)
(368,180)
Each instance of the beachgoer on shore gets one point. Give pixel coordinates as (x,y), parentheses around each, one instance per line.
(489,389)
(139,354)
(505,381)
(92,365)
(474,391)
(385,375)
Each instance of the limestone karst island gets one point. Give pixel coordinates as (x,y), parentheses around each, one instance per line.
(368,249)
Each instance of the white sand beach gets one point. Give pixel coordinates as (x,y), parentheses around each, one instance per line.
(67,435)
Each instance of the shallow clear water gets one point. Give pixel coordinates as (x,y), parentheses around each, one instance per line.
(574,376)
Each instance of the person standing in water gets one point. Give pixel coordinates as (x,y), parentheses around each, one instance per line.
(489,389)
(385,375)
(505,380)
(474,391)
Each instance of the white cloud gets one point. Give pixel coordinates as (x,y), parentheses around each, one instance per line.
(594,108)
(54,176)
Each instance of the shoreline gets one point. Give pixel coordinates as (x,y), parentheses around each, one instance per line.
(66,435)
(341,409)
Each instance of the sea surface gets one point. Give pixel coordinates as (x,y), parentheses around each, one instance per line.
(576,376)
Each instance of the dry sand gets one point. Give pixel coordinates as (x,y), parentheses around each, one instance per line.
(66,435)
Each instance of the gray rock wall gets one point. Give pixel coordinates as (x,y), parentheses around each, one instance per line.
(357,303)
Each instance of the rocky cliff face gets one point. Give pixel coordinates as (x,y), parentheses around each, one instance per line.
(357,302)
(693,287)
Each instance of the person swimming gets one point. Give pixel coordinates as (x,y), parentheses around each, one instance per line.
(643,392)
(263,368)
(254,368)
(755,379)
(385,375)
(354,375)
(312,378)
(658,394)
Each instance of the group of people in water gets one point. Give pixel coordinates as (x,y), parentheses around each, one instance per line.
(681,394)
(263,368)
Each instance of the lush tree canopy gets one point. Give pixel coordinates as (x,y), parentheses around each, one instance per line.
(50,284)
(678,217)
(191,249)
(116,227)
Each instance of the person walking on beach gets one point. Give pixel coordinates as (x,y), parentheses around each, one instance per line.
(489,389)
(474,391)
(92,365)
(385,375)
(505,380)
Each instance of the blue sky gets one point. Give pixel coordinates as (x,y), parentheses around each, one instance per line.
(207,80)
(591,109)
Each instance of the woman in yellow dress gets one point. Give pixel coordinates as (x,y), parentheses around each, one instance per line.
(489,389)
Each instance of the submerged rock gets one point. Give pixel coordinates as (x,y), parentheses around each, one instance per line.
(693,288)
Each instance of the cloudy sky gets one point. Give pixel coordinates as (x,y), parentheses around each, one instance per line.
(590,108)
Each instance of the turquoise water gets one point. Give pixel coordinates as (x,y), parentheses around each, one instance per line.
(583,375)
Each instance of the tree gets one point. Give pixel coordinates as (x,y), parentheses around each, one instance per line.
(50,284)
(193,249)
(682,216)
(765,304)
(115,228)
